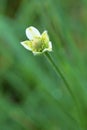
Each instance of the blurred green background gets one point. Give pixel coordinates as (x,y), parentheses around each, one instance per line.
(32,96)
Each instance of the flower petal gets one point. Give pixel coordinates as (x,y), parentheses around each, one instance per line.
(32,32)
(49,48)
(27,44)
(45,37)
(50,45)
(37,53)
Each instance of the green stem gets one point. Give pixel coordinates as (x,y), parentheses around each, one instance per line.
(59,72)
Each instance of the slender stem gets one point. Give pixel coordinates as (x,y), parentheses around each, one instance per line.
(59,72)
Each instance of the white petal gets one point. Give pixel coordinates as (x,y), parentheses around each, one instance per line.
(46,49)
(26,45)
(32,32)
(49,48)
(45,36)
(36,53)
(50,45)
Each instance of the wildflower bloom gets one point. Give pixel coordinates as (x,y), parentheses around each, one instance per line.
(37,43)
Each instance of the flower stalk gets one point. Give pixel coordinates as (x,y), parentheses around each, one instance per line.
(74,97)
(58,71)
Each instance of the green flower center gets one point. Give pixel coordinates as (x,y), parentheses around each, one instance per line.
(39,44)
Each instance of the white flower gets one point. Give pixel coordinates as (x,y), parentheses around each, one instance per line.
(37,43)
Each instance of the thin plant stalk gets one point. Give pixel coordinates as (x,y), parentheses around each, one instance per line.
(60,73)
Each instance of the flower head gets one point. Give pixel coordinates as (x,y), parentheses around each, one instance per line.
(37,43)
